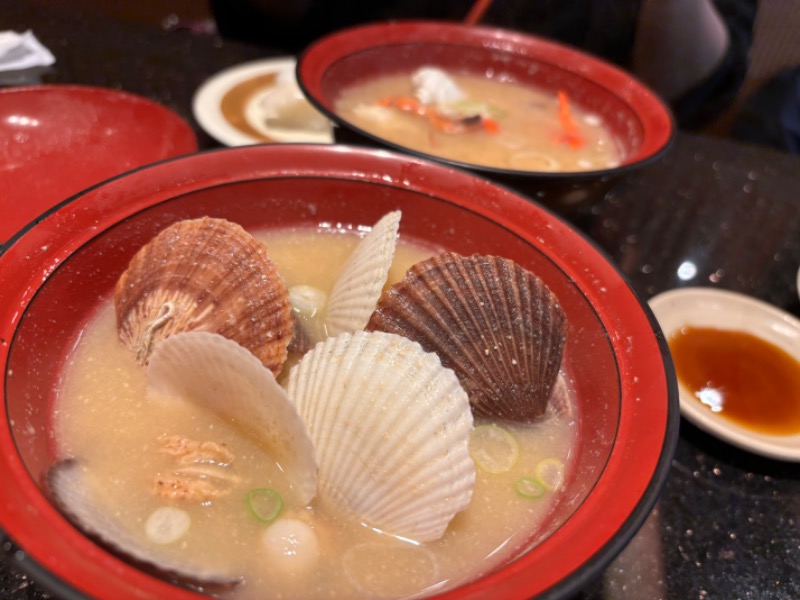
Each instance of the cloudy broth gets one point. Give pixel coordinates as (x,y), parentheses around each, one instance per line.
(530,132)
(129,444)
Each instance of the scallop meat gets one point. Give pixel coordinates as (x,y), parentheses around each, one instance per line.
(496,324)
(219,375)
(205,275)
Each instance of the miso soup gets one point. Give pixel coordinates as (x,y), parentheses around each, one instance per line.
(148,461)
(524,128)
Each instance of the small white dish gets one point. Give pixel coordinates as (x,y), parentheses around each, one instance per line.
(710,307)
(245,105)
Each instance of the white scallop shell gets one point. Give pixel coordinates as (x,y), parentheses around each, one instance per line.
(360,284)
(391,430)
(220,375)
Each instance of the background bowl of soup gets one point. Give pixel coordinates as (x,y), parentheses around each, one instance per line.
(559,124)
(57,278)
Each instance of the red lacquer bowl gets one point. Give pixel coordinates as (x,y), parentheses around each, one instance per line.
(56,140)
(54,274)
(640,122)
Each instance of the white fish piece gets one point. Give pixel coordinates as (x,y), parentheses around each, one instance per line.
(221,376)
(391,430)
(434,86)
(359,286)
(73,490)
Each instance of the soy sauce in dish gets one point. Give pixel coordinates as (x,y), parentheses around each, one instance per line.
(742,377)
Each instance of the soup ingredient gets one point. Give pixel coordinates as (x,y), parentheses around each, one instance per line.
(445,104)
(450,124)
(442,103)
(217,374)
(529,487)
(355,292)
(308,304)
(435,86)
(550,472)
(744,378)
(73,489)
(391,430)
(207,275)
(201,470)
(264,503)
(497,325)
(167,524)
(396,456)
(493,448)
(570,136)
(291,546)
(104,416)
(496,123)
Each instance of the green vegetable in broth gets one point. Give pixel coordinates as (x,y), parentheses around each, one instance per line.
(265,504)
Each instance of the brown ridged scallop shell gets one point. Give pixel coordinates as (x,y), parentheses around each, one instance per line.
(497,325)
(205,275)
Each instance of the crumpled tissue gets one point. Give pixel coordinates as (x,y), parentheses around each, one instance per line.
(22,51)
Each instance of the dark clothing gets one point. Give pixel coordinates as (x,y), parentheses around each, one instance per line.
(604,28)
(771,115)
(708,100)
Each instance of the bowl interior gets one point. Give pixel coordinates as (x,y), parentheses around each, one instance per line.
(638,120)
(83,259)
(60,139)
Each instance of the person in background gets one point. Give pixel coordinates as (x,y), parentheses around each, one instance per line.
(771,115)
(692,52)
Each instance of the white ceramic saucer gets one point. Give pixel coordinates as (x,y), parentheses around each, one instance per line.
(241,105)
(710,307)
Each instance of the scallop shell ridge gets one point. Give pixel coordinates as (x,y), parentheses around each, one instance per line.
(360,284)
(497,325)
(396,455)
(208,275)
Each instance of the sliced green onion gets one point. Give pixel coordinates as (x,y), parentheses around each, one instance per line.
(496,112)
(493,448)
(264,503)
(529,487)
(470,106)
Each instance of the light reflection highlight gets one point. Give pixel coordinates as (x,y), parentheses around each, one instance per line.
(711,398)
(22,120)
(687,270)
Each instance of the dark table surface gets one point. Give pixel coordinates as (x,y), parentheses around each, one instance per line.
(727,524)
